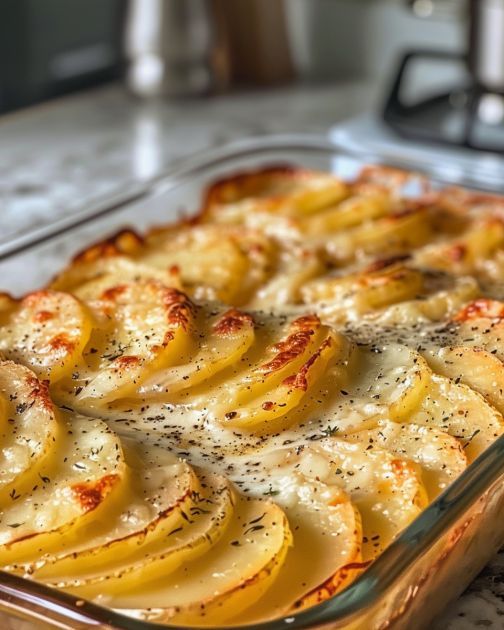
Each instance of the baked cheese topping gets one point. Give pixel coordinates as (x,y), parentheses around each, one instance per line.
(190,415)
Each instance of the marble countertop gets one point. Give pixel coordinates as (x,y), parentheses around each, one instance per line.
(63,157)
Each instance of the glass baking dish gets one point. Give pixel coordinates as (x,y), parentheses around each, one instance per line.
(428,565)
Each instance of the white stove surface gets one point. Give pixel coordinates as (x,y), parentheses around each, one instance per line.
(367,134)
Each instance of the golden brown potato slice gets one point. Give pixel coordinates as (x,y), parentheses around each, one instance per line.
(204,523)
(231,576)
(223,340)
(29,429)
(213,262)
(73,487)
(283,191)
(478,368)
(157,500)
(323,520)
(139,328)
(442,298)
(89,279)
(391,235)
(47,332)
(266,391)
(480,324)
(440,455)
(293,266)
(467,253)
(389,380)
(349,213)
(353,295)
(461,412)
(387,490)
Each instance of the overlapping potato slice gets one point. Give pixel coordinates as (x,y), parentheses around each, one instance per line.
(481,324)
(47,332)
(277,354)
(387,490)
(161,492)
(465,254)
(375,287)
(213,262)
(292,267)
(204,524)
(388,380)
(476,367)
(85,471)
(459,411)
(90,276)
(280,191)
(317,513)
(140,326)
(442,297)
(224,339)
(389,290)
(473,352)
(440,455)
(231,577)
(391,235)
(385,381)
(29,428)
(352,211)
(428,399)
(267,390)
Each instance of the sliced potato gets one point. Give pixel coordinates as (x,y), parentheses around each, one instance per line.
(349,213)
(272,358)
(290,192)
(465,254)
(322,519)
(88,469)
(88,279)
(207,521)
(228,336)
(280,399)
(295,265)
(29,429)
(480,324)
(159,497)
(46,332)
(438,303)
(213,263)
(142,326)
(387,490)
(461,412)
(232,576)
(351,296)
(391,235)
(440,455)
(478,368)
(388,380)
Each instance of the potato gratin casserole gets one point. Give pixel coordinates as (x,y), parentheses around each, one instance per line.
(228,419)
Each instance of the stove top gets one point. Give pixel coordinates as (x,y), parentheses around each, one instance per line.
(369,134)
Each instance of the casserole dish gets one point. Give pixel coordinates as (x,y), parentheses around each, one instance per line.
(434,558)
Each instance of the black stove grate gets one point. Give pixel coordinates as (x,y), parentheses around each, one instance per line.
(451,117)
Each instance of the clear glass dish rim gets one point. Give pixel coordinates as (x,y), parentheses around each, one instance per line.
(435,521)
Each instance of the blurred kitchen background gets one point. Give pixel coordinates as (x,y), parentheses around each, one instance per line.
(57,46)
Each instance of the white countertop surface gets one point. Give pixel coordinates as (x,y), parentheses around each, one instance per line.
(57,158)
